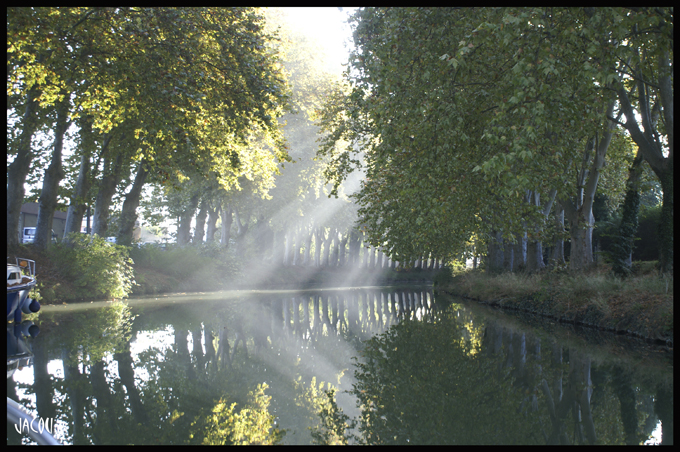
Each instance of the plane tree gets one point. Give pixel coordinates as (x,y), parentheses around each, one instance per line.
(32,85)
(229,95)
(642,39)
(188,82)
(508,108)
(404,107)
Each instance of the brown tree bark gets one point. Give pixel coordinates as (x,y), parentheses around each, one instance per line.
(128,215)
(53,175)
(18,169)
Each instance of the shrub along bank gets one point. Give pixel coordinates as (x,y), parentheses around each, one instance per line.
(640,305)
(81,267)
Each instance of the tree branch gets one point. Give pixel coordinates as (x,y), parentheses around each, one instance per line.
(85,16)
(651,153)
(666,95)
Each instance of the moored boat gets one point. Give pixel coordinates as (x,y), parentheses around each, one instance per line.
(18,287)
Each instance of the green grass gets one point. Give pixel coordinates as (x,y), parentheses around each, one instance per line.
(642,302)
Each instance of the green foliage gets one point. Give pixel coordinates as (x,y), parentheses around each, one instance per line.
(334,426)
(96,267)
(92,334)
(441,393)
(330,426)
(623,246)
(647,246)
(443,277)
(191,92)
(645,241)
(458,113)
(252,424)
(207,262)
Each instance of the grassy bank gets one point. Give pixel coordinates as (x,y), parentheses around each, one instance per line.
(641,305)
(193,269)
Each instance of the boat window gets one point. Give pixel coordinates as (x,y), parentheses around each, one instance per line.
(14,276)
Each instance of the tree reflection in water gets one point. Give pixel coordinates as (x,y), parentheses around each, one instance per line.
(463,379)
(368,366)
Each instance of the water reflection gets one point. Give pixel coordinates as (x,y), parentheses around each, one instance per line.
(290,367)
(471,379)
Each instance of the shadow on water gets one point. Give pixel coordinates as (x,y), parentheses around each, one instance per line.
(373,365)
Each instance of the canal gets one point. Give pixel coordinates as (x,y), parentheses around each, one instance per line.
(372,365)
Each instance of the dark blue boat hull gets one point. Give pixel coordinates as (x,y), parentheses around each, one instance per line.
(18,302)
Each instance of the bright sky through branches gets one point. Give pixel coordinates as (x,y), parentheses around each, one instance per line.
(329,26)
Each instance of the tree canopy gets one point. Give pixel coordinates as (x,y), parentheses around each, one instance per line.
(186,88)
(465,114)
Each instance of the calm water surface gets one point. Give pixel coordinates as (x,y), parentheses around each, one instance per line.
(369,365)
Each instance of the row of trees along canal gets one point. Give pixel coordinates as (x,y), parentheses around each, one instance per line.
(479,129)
(488,127)
(201,107)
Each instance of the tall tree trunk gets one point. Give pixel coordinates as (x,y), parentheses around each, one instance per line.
(262,238)
(76,209)
(519,253)
(286,247)
(557,257)
(308,246)
(327,248)
(79,200)
(366,248)
(227,219)
(659,157)
(53,175)
(581,241)
(107,188)
(128,215)
(276,248)
(200,223)
(213,215)
(358,236)
(494,263)
(279,246)
(623,248)
(336,245)
(296,245)
(666,223)
(580,214)
(18,169)
(240,238)
(342,251)
(352,259)
(534,261)
(184,226)
(534,256)
(508,256)
(318,240)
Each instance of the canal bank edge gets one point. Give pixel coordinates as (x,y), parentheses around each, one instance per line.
(651,321)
